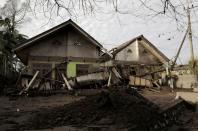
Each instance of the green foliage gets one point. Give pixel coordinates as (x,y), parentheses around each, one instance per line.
(9,38)
(193,66)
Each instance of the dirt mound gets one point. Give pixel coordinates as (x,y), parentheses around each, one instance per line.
(123,108)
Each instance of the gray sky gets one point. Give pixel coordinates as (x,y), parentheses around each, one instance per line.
(112,29)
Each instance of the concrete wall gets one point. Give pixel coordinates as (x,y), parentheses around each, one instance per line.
(136,52)
(55,45)
(72,68)
(78,46)
(65,43)
(31,68)
(186,81)
(129,53)
(145,56)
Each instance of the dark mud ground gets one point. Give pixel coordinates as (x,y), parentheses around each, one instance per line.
(14,112)
(120,109)
(124,108)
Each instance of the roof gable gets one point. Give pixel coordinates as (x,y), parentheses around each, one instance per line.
(55,29)
(146,44)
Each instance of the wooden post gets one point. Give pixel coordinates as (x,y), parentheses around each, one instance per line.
(66,82)
(31,82)
(53,71)
(5,66)
(167,71)
(155,82)
(109,80)
(18,80)
(26,82)
(116,72)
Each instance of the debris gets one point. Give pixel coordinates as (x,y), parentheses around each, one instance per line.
(116,73)
(90,79)
(29,84)
(122,108)
(66,82)
(138,81)
(109,80)
(154,90)
(155,82)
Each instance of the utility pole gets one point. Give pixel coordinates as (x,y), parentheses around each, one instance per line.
(190,34)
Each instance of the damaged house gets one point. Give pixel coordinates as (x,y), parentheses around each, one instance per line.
(139,57)
(139,51)
(68,55)
(66,49)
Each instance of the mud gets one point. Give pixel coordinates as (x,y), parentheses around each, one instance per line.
(116,108)
(123,108)
(16,111)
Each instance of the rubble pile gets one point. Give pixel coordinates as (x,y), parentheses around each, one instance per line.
(124,108)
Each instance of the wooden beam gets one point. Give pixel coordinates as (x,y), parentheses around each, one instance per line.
(155,82)
(109,80)
(105,50)
(116,72)
(31,82)
(18,79)
(66,82)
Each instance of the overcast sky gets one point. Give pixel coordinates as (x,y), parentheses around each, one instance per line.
(112,29)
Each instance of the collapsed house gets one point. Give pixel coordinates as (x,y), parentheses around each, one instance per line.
(136,62)
(67,55)
(139,51)
(65,49)
(138,57)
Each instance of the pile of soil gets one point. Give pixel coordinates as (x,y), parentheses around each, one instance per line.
(124,108)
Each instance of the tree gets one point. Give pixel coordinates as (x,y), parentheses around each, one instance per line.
(10,19)
(70,7)
(176,10)
(14,11)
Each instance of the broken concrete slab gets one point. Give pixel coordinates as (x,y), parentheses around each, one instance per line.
(191,97)
(186,81)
